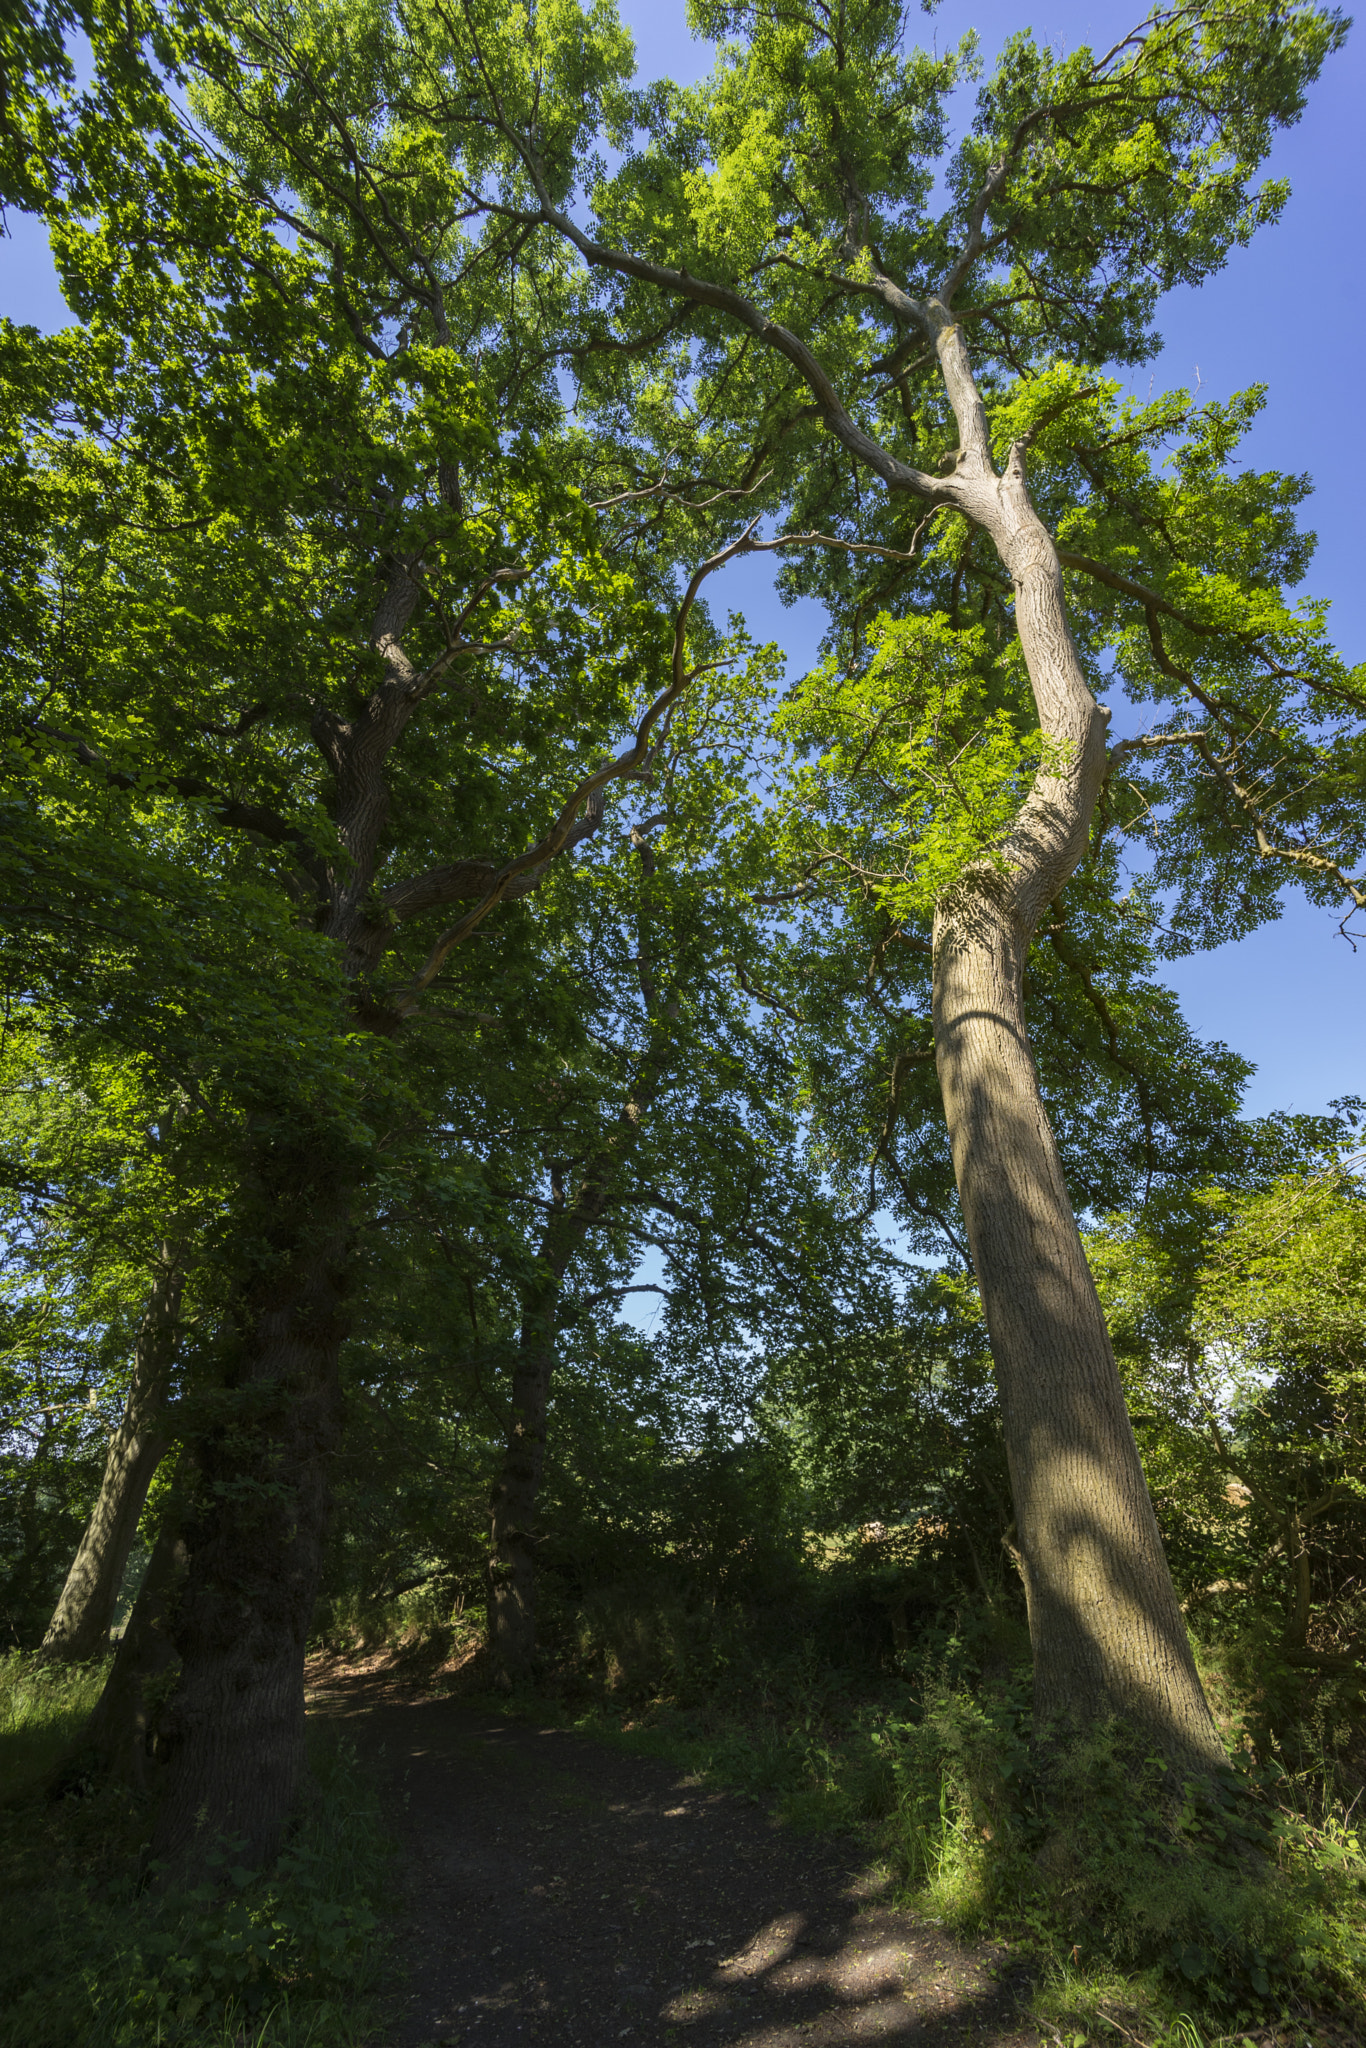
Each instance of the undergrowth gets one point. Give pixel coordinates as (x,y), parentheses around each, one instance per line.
(1165,1914)
(1157,1911)
(93,1956)
(1221,1903)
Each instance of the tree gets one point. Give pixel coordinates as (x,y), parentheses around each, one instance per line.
(898,762)
(663,1026)
(1238,1320)
(80,1622)
(359,487)
(103,1226)
(777,218)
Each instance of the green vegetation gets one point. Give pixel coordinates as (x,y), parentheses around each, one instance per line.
(432,929)
(93,1955)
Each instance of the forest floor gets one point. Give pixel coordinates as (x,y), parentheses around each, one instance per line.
(555,1889)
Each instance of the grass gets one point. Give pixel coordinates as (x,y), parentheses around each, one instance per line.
(42,1709)
(89,1958)
(1160,1915)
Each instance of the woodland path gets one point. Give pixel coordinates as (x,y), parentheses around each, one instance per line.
(558,1891)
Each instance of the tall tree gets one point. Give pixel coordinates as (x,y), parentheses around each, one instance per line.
(314,598)
(676,1132)
(838,329)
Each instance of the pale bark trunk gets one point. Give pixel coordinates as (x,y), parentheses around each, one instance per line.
(1105,1624)
(80,1623)
(1106,1628)
(234,1729)
(120,1737)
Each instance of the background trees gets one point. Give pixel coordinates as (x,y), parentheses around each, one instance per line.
(388,801)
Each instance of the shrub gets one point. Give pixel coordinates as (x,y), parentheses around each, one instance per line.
(90,1957)
(1094,1853)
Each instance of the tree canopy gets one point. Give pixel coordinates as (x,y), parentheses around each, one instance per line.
(433,923)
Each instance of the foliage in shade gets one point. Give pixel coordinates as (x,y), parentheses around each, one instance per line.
(428,914)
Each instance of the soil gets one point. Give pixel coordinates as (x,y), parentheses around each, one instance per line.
(558,1890)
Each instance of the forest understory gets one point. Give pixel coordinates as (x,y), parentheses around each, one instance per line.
(650,1386)
(700,1822)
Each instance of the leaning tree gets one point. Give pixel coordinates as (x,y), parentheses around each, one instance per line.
(768,256)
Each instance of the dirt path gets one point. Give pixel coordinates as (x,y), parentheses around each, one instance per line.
(559,1891)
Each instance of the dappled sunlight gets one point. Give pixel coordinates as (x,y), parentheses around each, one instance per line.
(850,1972)
(565,1892)
(1108,1633)
(861,1975)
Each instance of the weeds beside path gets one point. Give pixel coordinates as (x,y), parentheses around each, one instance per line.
(557,1890)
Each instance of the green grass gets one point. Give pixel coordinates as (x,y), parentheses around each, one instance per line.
(42,1709)
(89,1958)
(1150,1912)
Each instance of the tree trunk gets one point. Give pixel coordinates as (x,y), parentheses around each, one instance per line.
(1106,1627)
(80,1624)
(512,1555)
(120,1736)
(512,1564)
(1104,1620)
(1295,1635)
(235,1725)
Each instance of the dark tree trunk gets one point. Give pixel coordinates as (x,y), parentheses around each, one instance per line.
(121,1735)
(1299,1613)
(512,1562)
(512,1553)
(235,1726)
(80,1623)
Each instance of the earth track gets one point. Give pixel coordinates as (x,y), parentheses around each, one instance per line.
(559,1891)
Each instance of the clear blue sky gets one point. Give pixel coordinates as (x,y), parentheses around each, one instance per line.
(1288,312)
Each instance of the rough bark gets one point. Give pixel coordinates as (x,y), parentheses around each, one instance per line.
(234,1729)
(1105,1624)
(80,1623)
(121,1737)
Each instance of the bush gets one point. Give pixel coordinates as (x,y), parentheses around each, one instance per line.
(1220,1894)
(91,1957)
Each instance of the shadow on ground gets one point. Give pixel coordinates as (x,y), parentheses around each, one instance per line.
(556,1890)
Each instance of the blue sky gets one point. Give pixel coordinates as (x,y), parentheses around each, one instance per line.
(1287,312)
